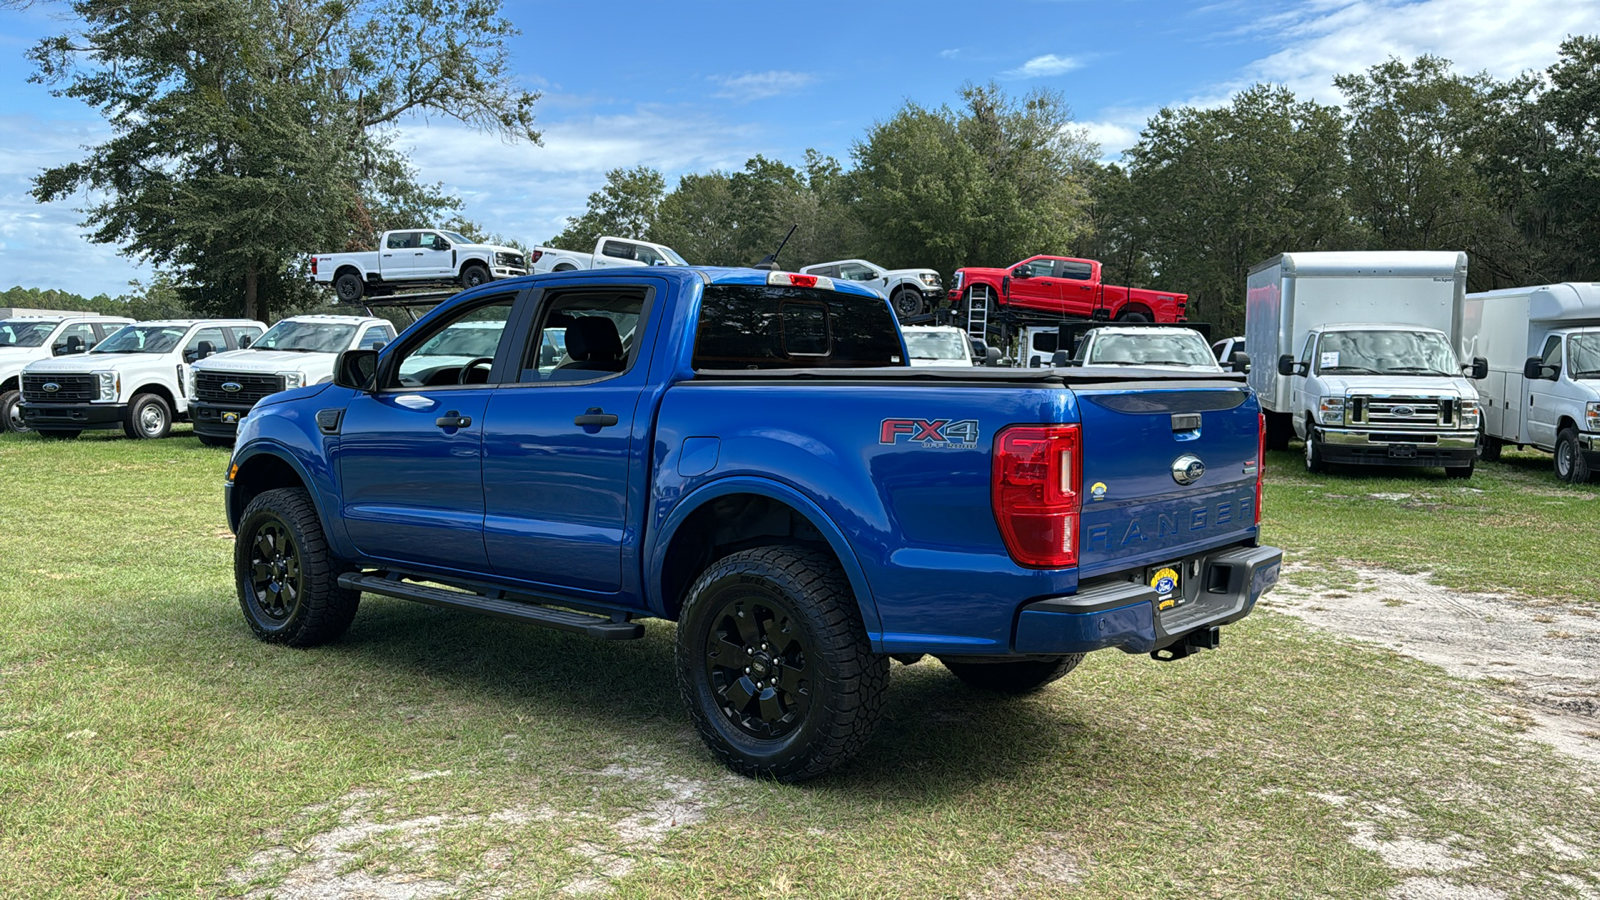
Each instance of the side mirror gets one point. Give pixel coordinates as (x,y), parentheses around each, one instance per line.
(1241,361)
(355,369)
(245,342)
(977,348)
(991,356)
(442,245)
(205,349)
(1060,359)
(1533,369)
(1287,366)
(1022,272)
(1480,369)
(379,346)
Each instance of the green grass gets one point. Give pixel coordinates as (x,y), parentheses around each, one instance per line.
(1512,527)
(150,746)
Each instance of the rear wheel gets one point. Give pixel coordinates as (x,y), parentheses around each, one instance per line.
(11,413)
(349,287)
(907,303)
(775,665)
(1133,315)
(286,577)
(1570,465)
(149,417)
(1018,677)
(565,267)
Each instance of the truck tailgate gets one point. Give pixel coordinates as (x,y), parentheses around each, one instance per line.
(1166,473)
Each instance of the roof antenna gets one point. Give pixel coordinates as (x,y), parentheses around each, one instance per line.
(770,261)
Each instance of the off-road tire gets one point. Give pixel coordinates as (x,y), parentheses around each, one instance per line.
(1569,463)
(317,610)
(148,418)
(907,303)
(802,610)
(212,441)
(1023,676)
(1315,462)
(349,287)
(474,275)
(59,434)
(11,413)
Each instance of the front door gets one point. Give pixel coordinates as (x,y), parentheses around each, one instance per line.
(1541,397)
(411,454)
(433,257)
(561,443)
(1039,290)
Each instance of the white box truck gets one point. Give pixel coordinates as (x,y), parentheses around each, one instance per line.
(1359,356)
(1543,389)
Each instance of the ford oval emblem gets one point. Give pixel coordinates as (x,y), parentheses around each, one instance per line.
(1403,412)
(1187,469)
(232,387)
(50,387)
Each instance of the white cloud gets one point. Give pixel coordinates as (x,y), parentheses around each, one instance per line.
(1113,137)
(760,85)
(950,54)
(1324,38)
(1042,66)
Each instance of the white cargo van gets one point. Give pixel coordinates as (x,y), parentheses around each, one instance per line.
(1543,389)
(1360,356)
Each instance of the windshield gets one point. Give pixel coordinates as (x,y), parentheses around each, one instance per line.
(936,345)
(143,339)
(305,337)
(672,254)
(14,333)
(1583,351)
(1154,349)
(1386,353)
(456,238)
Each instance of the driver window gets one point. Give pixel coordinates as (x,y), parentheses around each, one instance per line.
(1305,356)
(430,241)
(584,336)
(213,336)
(74,339)
(1040,268)
(459,350)
(1552,354)
(856,273)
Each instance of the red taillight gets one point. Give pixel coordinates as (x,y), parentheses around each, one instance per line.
(1036,490)
(535,256)
(313,265)
(1261,459)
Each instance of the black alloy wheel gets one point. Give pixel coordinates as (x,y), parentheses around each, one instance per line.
(275,582)
(758,665)
(472,276)
(907,303)
(349,287)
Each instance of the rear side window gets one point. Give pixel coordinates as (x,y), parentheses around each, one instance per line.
(1076,271)
(770,327)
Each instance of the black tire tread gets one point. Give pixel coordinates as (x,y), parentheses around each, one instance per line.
(327,610)
(862,676)
(129,426)
(1023,676)
(1580,466)
(7,399)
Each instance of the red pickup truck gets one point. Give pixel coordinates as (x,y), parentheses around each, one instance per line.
(1051,287)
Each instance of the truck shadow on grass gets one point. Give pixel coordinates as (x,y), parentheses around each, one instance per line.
(937,735)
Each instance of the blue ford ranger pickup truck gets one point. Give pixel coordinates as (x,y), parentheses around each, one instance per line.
(747,453)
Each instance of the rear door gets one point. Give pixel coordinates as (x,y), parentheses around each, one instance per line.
(562,446)
(1167,472)
(398,256)
(1079,293)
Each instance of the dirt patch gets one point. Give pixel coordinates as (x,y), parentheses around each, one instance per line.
(1037,868)
(1553,682)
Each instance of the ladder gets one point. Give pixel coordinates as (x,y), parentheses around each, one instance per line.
(978,299)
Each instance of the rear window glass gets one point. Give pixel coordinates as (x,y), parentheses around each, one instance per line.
(769,327)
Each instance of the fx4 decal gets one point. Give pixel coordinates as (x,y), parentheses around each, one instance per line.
(941,434)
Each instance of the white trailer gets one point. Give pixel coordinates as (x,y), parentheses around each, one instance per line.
(1543,389)
(1360,355)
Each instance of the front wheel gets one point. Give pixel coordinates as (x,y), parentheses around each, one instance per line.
(1315,462)
(11,413)
(149,417)
(287,578)
(472,276)
(775,665)
(59,434)
(907,303)
(1459,471)
(1570,465)
(1489,448)
(1022,676)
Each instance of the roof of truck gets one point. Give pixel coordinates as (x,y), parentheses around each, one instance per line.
(87,317)
(1400,263)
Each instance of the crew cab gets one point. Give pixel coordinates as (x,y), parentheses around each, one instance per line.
(747,453)
(416,257)
(912,292)
(294,352)
(609,253)
(1059,286)
(26,339)
(134,379)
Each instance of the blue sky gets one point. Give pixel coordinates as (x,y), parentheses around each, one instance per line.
(688,87)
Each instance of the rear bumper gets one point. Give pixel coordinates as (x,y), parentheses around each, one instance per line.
(1395,448)
(213,419)
(1122,613)
(74,415)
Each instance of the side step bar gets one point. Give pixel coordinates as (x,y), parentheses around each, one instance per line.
(517,611)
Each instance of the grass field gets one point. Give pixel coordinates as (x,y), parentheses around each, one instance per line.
(149,746)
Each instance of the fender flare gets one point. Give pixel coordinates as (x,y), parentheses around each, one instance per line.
(360,270)
(656,545)
(280,452)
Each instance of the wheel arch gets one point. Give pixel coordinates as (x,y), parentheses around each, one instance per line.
(1566,422)
(258,470)
(687,540)
(351,268)
(160,390)
(1135,307)
(471,261)
(14,383)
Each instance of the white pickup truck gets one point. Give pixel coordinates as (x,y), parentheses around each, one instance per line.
(416,258)
(26,339)
(134,378)
(609,252)
(295,352)
(911,292)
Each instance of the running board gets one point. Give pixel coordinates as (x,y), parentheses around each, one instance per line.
(517,611)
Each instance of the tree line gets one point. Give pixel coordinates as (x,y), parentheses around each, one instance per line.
(247,133)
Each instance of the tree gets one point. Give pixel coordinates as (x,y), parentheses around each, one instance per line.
(1210,192)
(625,207)
(997,181)
(249,132)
